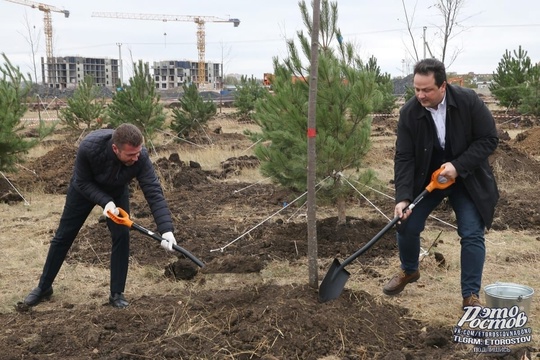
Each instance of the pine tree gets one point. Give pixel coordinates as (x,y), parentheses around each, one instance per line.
(193,113)
(511,74)
(346,96)
(249,91)
(138,103)
(530,92)
(84,107)
(384,85)
(14,89)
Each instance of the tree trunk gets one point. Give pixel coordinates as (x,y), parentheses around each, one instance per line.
(341,211)
(312,158)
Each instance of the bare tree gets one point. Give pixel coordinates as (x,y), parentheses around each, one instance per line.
(450,12)
(32,38)
(409,20)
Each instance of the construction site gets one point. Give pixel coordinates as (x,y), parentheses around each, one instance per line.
(65,72)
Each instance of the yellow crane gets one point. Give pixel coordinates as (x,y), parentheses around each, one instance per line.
(47,28)
(199,20)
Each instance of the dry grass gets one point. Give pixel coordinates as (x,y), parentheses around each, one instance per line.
(209,155)
(436,297)
(27,230)
(511,257)
(25,239)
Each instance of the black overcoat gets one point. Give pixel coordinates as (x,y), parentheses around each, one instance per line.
(473,135)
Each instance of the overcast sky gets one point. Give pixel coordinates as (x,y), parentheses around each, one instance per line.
(376,27)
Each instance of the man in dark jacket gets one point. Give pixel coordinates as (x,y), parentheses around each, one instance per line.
(450,127)
(107,160)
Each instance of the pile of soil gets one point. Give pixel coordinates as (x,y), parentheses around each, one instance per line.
(245,321)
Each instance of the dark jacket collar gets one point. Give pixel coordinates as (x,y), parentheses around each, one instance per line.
(110,152)
(450,100)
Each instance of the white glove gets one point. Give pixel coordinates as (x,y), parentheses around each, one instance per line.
(110,206)
(169,241)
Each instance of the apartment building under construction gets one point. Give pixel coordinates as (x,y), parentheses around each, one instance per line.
(66,72)
(173,74)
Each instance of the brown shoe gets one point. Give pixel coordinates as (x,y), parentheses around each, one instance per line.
(399,281)
(472,300)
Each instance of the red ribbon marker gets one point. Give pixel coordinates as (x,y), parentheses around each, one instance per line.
(311,132)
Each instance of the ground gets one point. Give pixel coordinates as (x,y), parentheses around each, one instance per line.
(247,316)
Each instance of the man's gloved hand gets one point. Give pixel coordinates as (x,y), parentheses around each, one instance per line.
(169,241)
(110,206)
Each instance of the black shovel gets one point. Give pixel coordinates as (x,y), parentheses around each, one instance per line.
(336,277)
(123,219)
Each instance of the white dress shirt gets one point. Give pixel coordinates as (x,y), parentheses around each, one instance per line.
(439,118)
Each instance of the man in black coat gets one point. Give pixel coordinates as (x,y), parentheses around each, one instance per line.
(107,160)
(450,127)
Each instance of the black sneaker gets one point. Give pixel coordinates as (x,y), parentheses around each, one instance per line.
(118,300)
(37,295)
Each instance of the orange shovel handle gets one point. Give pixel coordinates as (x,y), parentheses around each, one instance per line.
(122,218)
(439,182)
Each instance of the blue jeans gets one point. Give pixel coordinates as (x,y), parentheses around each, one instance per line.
(76,210)
(470,229)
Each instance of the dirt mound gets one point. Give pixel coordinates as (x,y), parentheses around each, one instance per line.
(528,141)
(228,225)
(266,322)
(511,164)
(50,172)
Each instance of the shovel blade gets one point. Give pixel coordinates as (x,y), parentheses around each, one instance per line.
(333,283)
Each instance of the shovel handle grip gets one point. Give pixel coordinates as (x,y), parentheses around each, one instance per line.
(438,181)
(122,218)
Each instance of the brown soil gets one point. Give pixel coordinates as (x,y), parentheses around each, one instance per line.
(246,321)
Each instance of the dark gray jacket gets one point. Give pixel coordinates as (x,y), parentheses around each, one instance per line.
(99,176)
(473,138)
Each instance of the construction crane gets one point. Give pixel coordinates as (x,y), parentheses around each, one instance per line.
(47,29)
(199,20)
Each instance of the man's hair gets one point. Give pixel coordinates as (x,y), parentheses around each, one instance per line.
(431,66)
(127,134)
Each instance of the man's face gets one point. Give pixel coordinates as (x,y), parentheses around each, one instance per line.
(127,154)
(427,92)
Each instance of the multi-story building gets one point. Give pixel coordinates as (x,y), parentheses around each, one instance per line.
(66,72)
(173,74)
